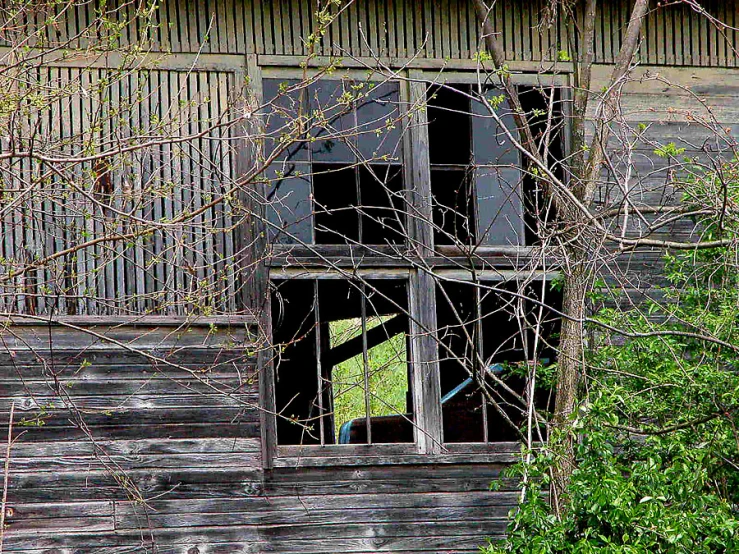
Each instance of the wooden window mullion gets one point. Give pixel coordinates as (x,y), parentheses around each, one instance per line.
(319,369)
(365,365)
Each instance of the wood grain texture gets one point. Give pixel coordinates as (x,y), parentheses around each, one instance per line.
(117,454)
(155,441)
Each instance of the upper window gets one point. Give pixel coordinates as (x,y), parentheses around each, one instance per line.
(481,196)
(475,175)
(337,176)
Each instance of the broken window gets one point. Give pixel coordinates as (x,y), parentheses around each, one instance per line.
(475,172)
(337,176)
(488,336)
(343,374)
(480,194)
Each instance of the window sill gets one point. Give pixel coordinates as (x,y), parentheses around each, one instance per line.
(394,454)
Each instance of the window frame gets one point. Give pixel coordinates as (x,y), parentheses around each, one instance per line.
(308,250)
(308,260)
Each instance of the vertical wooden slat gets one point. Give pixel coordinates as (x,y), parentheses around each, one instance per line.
(525,31)
(456,49)
(713,45)
(393,21)
(344,36)
(465,51)
(536,50)
(323,47)
(261,25)
(241,17)
(183,170)
(703,30)
(118,284)
(72,106)
(425,387)
(157,267)
(204,26)
(166,267)
(670,24)
(362,27)
(174,30)
(441,28)
(409,29)
(384,25)
(176,257)
(188,27)
(373,30)
(296,15)
(195,88)
(600,55)
(87,124)
(216,18)
(435,16)
(661,38)
(306,26)
(278,27)
(282,25)
(253,33)
(722,35)
(509,33)
(611,30)
(652,23)
(733,58)
(140,186)
(222,185)
(211,176)
(681,24)
(419,32)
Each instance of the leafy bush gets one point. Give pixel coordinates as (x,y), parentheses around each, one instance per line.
(658,428)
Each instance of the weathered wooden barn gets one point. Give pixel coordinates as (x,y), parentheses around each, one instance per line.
(150,415)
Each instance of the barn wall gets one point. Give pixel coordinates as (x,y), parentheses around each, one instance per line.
(697,110)
(198,55)
(150,442)
(173,270)
(444,29)
(162,433)
(111,436)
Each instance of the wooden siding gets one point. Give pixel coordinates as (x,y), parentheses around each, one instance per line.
(660,107)
(168,414)
(178,269)
(674,34)
(448,30)
(158,412)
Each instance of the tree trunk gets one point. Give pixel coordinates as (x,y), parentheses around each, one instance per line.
(570,366)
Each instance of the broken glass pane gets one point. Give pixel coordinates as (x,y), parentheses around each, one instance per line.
(499,206)
(289,209)
(282,119)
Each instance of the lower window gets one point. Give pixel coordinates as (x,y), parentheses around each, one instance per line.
(343,373)
(489,335)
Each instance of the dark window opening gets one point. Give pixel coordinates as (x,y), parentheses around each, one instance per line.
(347,160)
(535,103)
(488,336)
(360,204)
(343,375)
(450,154)
(335,200)
(480,193)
